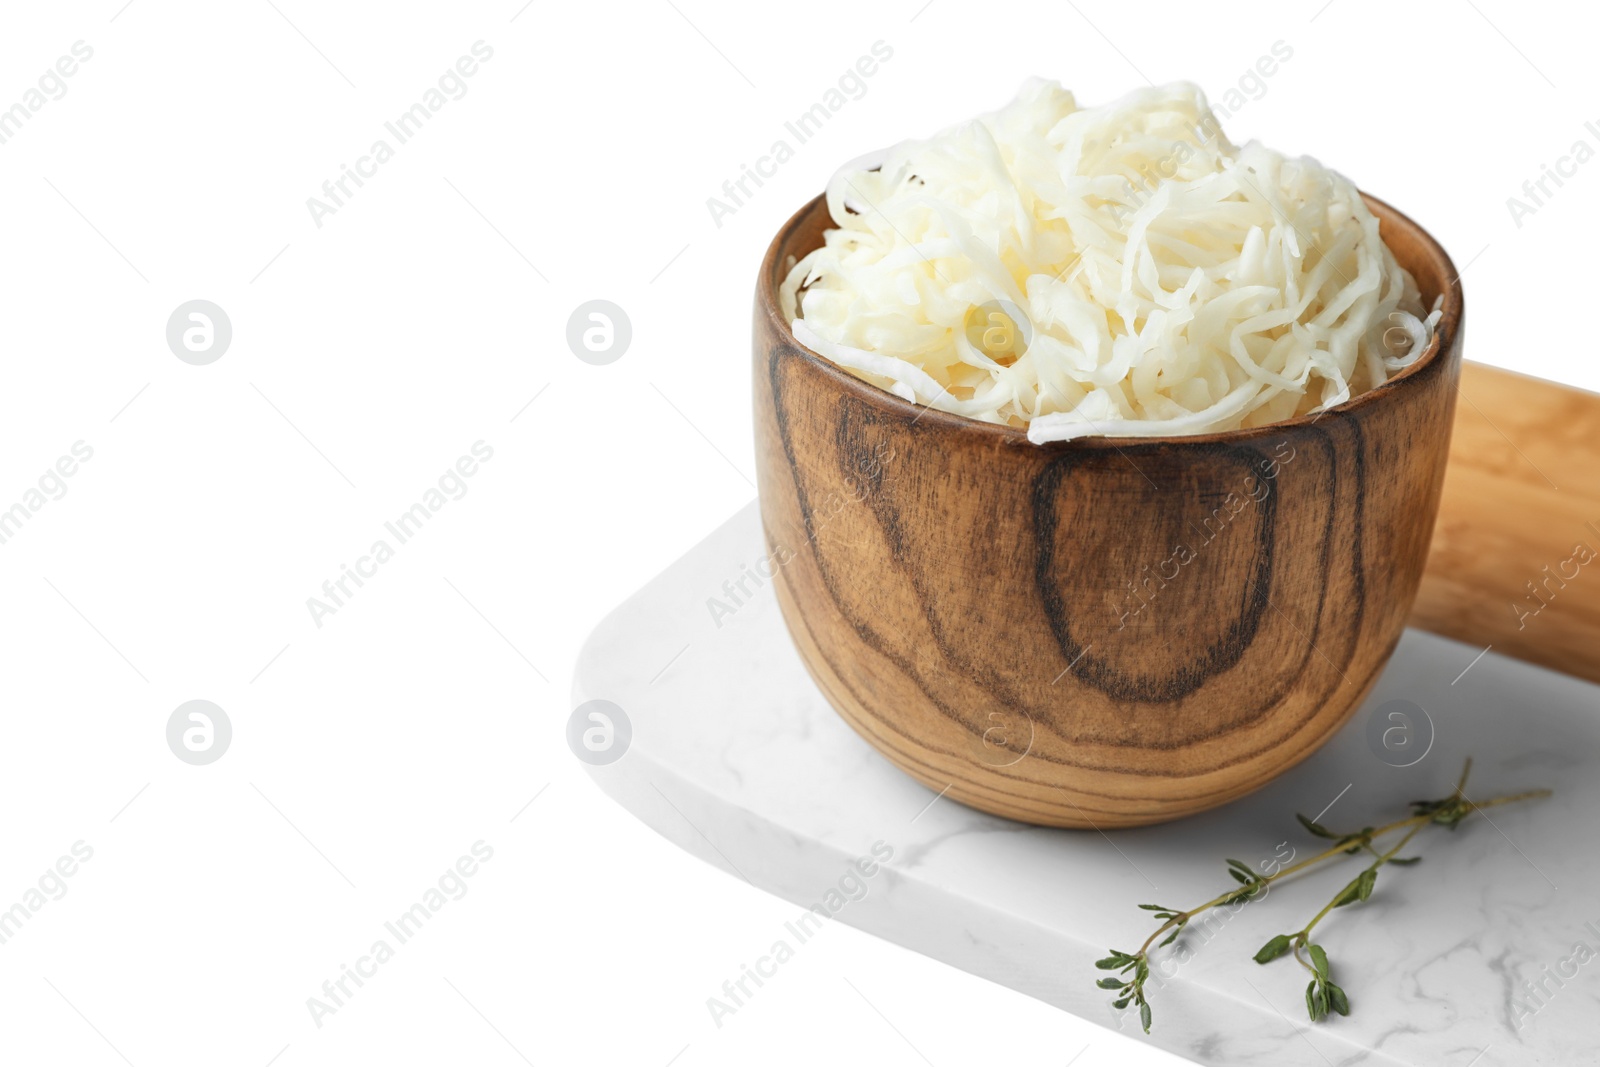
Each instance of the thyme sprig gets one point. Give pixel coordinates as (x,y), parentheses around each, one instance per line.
(1323,995)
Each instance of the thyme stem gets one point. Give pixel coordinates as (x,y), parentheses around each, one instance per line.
(1417,822)
(1322,995)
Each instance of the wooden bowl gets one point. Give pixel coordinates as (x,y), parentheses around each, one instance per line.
(1103,632)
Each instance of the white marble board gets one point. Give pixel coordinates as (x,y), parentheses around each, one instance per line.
(1469,958)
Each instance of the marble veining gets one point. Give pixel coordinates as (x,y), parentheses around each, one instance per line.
(1485,954)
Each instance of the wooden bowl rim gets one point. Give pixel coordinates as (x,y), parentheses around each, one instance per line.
(1444,340)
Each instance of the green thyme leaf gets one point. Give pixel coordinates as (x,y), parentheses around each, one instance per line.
(1273,949)
(1337,1000)
(1316,828)
(1349,894)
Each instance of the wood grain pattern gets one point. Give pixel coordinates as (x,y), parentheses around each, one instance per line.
(1514,561)
(1100,632)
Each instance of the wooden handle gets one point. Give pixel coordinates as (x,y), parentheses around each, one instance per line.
(1515,560)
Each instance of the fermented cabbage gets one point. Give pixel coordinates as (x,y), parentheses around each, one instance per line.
(1120,270)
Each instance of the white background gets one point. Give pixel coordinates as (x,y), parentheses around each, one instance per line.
(368,354)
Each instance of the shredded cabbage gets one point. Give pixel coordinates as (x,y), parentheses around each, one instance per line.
(1121,270)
